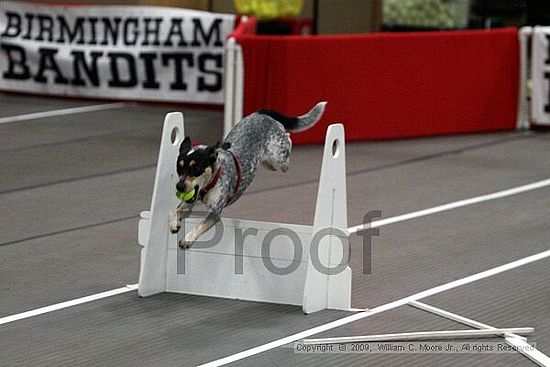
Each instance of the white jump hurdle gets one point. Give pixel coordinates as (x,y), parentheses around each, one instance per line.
(240,272)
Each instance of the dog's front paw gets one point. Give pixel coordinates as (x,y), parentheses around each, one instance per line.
(174,224)
(184,245)
(174,228)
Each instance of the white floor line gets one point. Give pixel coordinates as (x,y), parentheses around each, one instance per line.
(388,306)
(353,309)
(74,302)
(514,340)
(66,111)
(450,206)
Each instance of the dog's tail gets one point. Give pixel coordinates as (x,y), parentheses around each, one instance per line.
(300,123)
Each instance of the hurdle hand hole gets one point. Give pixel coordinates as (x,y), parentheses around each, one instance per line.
(335,148)
(175,136)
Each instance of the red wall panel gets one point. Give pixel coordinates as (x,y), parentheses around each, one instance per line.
(384,86)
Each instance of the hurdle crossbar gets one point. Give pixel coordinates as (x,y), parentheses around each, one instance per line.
(513,340)
(422,335)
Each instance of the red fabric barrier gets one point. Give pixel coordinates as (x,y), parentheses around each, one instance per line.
(384,85)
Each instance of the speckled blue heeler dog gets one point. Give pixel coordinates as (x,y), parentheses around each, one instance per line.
(219,174)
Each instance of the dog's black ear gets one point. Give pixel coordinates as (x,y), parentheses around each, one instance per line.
(186,145)
(212,148)
(226,145)
(212,151)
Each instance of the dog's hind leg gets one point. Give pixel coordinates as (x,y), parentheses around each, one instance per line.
(268,165)
(211,219)
(277,153)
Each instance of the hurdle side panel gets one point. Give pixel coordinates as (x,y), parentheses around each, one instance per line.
(152,277)
(323,289)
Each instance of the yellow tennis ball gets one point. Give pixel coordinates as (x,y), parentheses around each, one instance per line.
(185,196)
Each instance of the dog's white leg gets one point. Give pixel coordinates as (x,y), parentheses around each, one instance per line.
(268,165)
(181,213)
(285,165)
(211,219)
(272,165)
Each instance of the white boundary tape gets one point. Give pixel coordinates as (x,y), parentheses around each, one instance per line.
(74,302)
(66,111)
(453,205)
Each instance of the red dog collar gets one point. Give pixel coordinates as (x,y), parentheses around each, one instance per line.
(218,173)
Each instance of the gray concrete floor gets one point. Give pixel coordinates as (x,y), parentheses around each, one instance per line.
(72,187)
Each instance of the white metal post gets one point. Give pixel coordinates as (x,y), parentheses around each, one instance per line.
(239,85)
(523,105)
(229,105)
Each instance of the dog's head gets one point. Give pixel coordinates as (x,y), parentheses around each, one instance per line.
(195,167)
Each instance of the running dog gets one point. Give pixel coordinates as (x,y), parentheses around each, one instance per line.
(219,174)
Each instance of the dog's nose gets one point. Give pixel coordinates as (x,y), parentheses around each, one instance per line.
(181,187)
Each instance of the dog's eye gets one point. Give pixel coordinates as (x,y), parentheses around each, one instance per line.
(195,171)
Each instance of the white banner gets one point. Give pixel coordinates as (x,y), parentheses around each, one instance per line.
(540,74)
(123,52)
